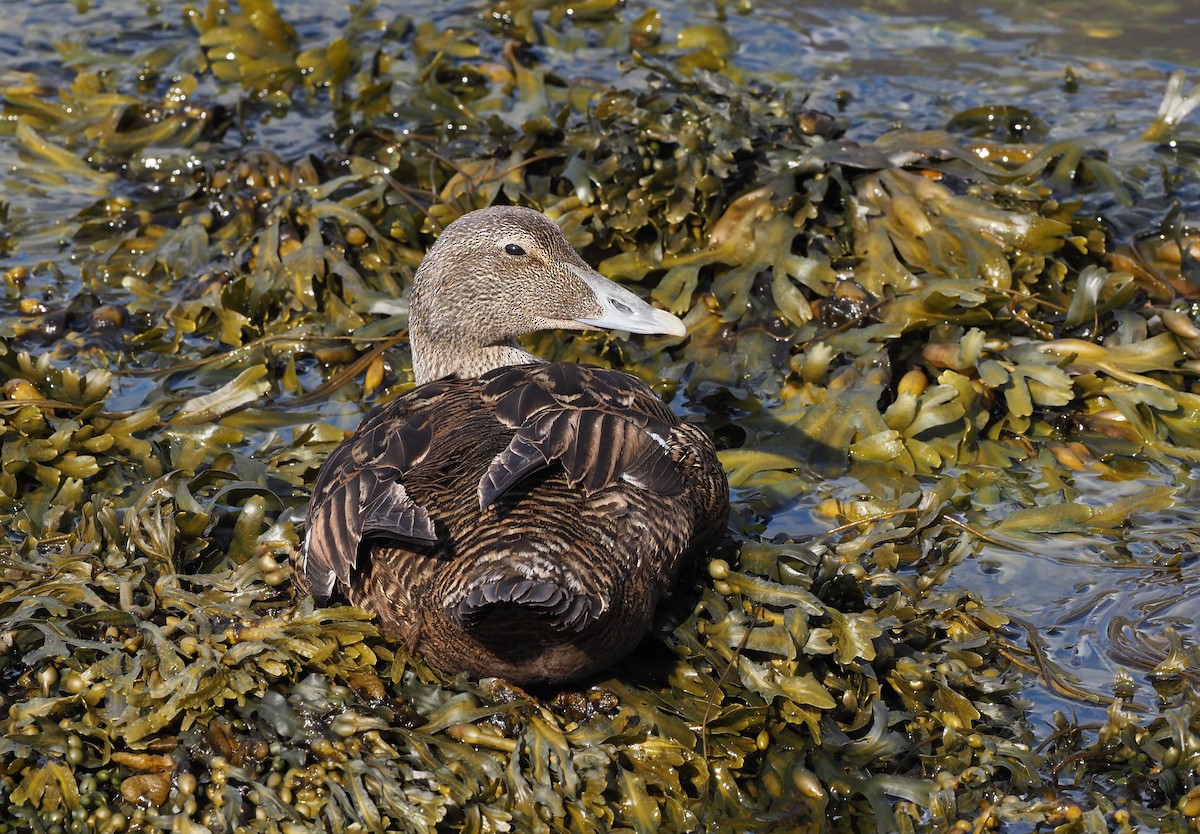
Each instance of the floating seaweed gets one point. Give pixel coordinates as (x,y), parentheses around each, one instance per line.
(881,332)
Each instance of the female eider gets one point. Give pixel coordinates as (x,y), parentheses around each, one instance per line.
(509,516)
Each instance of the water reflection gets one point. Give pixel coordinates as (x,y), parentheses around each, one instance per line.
(1099,602)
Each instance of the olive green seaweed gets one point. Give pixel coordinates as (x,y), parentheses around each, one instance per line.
(882,333)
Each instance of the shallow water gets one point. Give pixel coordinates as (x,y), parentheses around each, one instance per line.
(1098,601)
(879,65)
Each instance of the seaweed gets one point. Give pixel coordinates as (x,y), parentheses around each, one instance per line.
(883,332)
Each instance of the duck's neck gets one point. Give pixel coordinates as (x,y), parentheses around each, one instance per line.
(434,358)
(454,338)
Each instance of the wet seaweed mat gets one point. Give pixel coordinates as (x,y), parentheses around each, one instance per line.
(926,357)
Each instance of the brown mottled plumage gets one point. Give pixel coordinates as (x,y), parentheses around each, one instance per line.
(508,516)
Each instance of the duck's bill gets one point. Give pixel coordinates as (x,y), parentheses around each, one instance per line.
(622,310)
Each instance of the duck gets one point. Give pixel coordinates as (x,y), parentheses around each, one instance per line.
(511,517)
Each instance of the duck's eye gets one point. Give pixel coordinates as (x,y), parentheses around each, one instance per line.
(514,249)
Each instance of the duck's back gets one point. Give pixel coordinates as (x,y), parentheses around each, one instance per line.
(522,524)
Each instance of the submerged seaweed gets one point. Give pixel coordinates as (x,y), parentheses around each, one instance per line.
(880,332)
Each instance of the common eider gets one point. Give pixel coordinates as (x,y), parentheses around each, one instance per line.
(509,516)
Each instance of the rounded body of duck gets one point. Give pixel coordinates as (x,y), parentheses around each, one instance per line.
(510,517)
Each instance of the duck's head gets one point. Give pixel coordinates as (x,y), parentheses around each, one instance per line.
(500,272)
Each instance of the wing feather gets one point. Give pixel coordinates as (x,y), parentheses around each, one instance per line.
(522,457)
(600,426)
(392,512)
(359,492)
